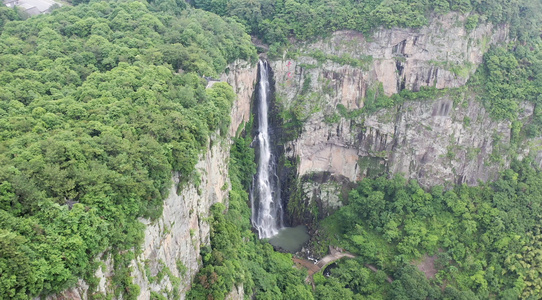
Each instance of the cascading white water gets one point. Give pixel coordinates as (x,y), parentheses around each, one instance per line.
(266,204)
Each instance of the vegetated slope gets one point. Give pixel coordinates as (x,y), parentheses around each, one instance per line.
(486,239)
(276,21)
(94,119)
(8,14)
(510,75)
(99,103)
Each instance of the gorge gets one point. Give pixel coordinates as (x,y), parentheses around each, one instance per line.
(147,152)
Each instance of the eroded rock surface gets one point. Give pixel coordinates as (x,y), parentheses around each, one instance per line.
(443,141)
(442,54)
(410,139)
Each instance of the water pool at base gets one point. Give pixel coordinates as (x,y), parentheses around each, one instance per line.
(290,239)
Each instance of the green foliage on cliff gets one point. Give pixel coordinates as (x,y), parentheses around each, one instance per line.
(275,21)
(93,119)
(8,14)
(485,241)
(508,76)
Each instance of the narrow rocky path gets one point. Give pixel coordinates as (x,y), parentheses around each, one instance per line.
(374,269)
(335,254)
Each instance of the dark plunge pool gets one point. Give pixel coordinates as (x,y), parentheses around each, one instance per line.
(291,239)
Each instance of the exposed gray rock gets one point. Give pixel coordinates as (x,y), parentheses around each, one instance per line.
(242,77)
(441,54)
(236,293)
(435,142)
(428,141)
(183,228)
(176,238)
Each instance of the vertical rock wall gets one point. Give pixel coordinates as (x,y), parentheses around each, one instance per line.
(410,139)
(442,54)
(176,238)
(242,76)
(441,141)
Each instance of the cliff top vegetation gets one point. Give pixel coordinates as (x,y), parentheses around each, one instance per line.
(275,21)
(98,104)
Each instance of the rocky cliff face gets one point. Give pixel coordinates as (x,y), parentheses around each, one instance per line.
(170,255)
(242,77)
(448,140)
(174,241)
(435,142)
(345,66)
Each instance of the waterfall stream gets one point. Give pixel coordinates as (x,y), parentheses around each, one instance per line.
(265,197)
(265,194)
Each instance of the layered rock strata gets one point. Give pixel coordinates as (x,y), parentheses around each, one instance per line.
(442,141)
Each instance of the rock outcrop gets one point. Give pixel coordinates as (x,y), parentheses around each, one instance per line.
(448,140)
(174,241)
(435,142)
(242,76)
(345,66)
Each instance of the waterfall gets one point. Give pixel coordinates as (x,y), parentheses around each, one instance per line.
(265,193)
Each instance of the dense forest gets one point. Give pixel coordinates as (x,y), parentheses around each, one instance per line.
(102,100)
(99,103)
(484,240)
(276,21)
